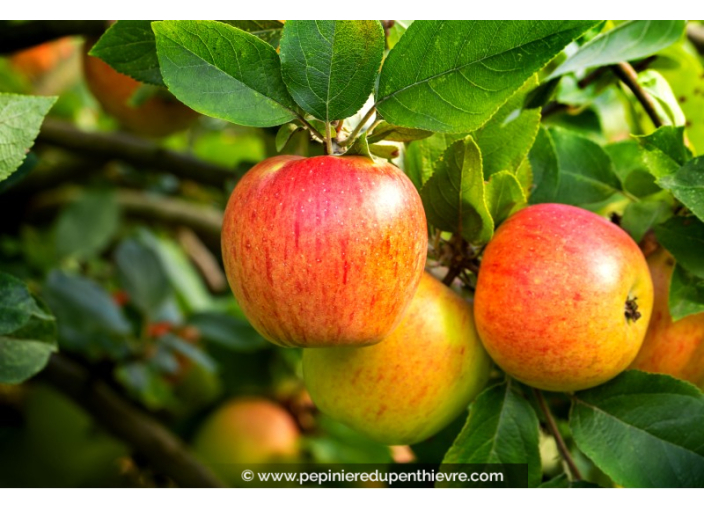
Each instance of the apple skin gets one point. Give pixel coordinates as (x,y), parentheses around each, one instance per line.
(551,297)
(412,384)
(158,116)
(246,430)
(324,251)
(673,348)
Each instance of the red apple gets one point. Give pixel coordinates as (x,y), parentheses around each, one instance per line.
(324,251)
(673,348)
(563,298)
(408,387)
(39,60)
(160,115)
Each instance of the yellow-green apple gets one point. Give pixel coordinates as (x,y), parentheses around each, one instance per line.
(673,348)
(413,383)
(324,251)
(246,430)
(160,115)
(563,298)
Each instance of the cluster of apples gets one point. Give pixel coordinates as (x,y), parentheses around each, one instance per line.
(328,254)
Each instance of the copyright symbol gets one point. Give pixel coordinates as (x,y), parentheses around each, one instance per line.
(247,475)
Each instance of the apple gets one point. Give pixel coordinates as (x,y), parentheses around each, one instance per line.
(412,384)
(673,348)
(160,115)
(39,60)
(563,298)
(246,430)
(324,251)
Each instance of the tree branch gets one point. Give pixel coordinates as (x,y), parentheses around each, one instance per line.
(132,149)
(166,452)
(695,34)
(629,77)
(552,426)
(18,36)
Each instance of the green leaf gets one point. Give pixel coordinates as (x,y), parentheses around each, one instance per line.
(509,134)
(224,72)
(89,321)
(639,217)
(20,120)
(190,351)
(666,103)
(642,430)
(27,332)
(586,172)
(504,196)
(686,294)
(684,238)
(546,171)
(421,156)
(452,76)
(524,174)
(231,332)
(386,131)
(502,428)
(665,151)
(284,134)
(86,226)
(687,184)
(454,197)
(629,164)
(562,482)
(267,30)
(629,41)
(360,147)
(330,66)
(680,65)
(385,150)
(142,275)
(129,47)
(396,31)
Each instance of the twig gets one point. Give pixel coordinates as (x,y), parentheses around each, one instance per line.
(629,77)
(552,426)
(313,132)
(18,36)
(165,452)
(347,141)
(203,259)
(132,149)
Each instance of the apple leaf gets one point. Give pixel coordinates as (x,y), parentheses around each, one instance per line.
(502,428)
(504,195)
(687,184)
(87,225)
(666,104)
(267,30)
(129,47)
(546,172)
(224,72)
(684,238)
(89,320)
(27,332)
(664,150)
(586,172)
(642,430)
(396,31)
(524,174)
(20,120)
(630,167)
(142,275)
(330,66)
(639,217)
(509,134)
(421,156)
(284,134)
(684,72)
(452,76)
(629,41)
(686,294)
(386,131)
(454,197)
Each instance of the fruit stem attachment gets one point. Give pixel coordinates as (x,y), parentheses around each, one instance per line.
(347,141)
(328,138)
(632,313)
(552,426)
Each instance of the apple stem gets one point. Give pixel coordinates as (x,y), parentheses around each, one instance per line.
(328,139)
(632,313)
(552,426)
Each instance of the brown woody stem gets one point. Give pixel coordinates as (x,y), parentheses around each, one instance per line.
(629,77)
